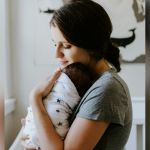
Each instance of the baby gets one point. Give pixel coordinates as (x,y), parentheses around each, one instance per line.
(72,84)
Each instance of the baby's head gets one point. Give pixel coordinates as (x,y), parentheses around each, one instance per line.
(80,75)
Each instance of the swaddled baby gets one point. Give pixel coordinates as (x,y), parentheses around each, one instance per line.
(72,84)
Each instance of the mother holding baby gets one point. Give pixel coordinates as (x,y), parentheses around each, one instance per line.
(81,32)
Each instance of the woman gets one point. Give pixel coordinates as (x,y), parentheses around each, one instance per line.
(81,32)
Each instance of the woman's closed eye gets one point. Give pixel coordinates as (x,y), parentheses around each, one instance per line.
(62,45)
(67,46)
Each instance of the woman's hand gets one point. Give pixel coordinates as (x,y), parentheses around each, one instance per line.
(38,92)
(43,88)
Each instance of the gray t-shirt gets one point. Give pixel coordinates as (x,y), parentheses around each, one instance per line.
(108,99)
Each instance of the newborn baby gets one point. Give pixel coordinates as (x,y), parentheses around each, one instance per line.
(72,84)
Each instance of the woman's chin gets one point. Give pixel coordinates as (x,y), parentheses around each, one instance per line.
(63,65)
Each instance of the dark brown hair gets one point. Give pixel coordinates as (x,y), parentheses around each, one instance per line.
(86,24)
(80,75)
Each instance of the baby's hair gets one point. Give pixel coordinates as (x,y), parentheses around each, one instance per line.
(80,75)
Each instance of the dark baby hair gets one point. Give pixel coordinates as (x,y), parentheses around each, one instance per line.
(80,75)
(86,24)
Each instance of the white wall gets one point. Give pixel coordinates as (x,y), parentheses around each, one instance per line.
(24,72)
(29,65)
(134,75)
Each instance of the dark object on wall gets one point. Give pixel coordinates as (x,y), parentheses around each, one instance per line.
(48,11)
(138,10)
(66,1)
(139,59)
(124,41)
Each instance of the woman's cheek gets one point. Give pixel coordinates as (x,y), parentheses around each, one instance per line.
(68,54)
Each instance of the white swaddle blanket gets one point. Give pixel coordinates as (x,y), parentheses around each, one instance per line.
(59,104)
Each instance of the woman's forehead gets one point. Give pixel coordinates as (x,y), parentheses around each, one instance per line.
(56,35)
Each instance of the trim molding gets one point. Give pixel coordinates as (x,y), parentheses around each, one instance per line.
(138,99)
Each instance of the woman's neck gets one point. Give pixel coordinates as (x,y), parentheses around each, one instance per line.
(100,66)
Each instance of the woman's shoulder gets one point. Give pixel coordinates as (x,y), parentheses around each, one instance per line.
(109,88)
(107,98)
(109,80)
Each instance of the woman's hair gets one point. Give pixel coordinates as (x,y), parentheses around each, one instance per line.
(86,24)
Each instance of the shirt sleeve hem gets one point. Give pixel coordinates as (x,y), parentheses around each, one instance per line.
(95,118)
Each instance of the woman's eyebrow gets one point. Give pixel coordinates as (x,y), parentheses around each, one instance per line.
(64,42)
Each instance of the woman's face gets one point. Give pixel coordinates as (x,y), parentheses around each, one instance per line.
(67,53)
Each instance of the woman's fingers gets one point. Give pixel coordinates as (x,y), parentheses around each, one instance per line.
(43,88)
(51,81)
(55,75)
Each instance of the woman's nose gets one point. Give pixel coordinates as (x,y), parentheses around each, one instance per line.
(59,52)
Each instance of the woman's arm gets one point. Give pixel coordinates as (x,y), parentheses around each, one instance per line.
(83,134)
(46,132)
(49,139)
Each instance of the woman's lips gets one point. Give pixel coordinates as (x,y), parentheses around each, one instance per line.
(63,62)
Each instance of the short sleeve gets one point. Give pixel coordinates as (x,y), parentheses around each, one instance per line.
(105,103)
